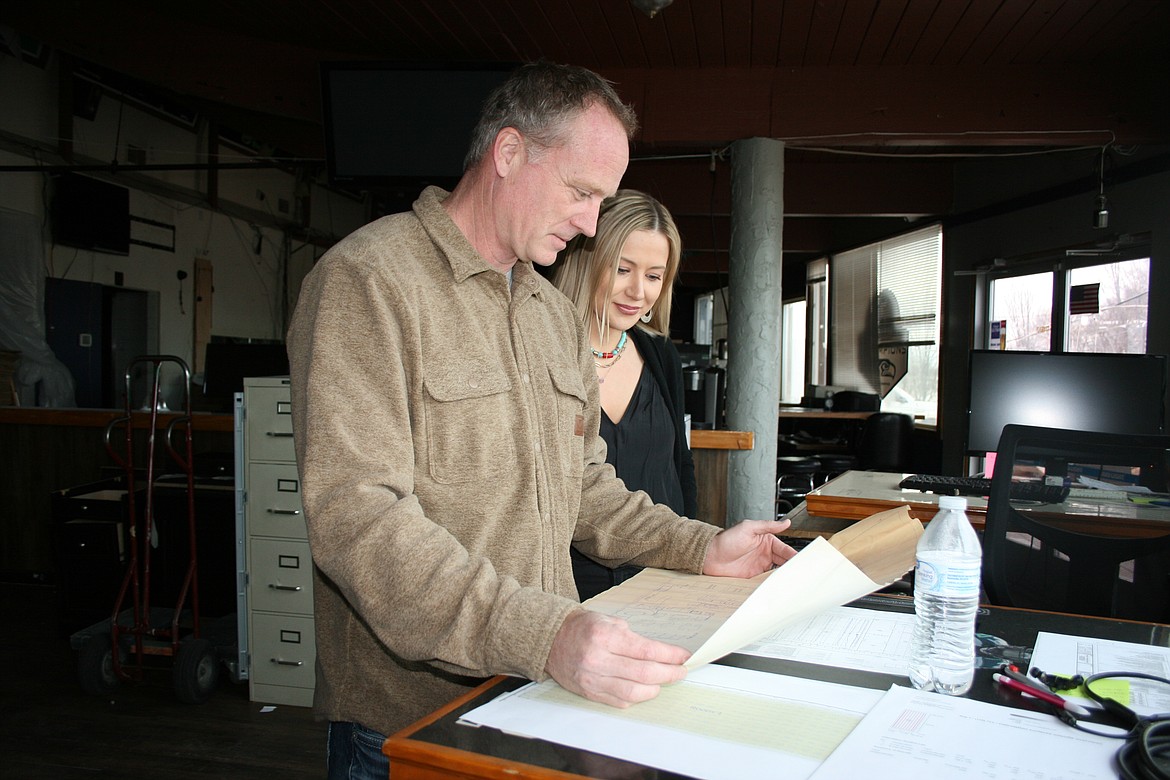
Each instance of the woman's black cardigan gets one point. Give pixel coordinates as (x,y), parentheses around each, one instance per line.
(661,357)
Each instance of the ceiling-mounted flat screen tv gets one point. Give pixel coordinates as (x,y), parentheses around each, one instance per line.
(390,123)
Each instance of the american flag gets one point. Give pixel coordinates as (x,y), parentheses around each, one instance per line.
(1084,299)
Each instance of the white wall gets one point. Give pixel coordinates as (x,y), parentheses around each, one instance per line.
(256,270)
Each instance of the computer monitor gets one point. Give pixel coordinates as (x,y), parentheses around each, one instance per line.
(1074,391)
(228,363)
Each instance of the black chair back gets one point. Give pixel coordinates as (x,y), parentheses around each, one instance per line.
(1105,557)
(884,442)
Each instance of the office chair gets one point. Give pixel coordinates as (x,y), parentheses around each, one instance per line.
(884,442)
(1085,556)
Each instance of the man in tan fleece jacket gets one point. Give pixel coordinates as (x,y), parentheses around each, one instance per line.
(446,421)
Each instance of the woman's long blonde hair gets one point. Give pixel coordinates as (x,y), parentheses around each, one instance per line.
(588,263)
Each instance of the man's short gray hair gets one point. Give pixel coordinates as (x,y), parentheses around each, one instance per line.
(539,99)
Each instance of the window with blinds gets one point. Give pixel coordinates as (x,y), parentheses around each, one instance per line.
(884,298)
(816,297)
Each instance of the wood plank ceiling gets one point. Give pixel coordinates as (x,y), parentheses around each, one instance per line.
(876,100)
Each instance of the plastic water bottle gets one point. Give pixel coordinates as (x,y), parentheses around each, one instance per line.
(946,598)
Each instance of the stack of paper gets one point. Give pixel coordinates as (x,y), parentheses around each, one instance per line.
(727,723)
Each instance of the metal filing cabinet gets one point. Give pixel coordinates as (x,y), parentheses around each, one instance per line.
(279,571)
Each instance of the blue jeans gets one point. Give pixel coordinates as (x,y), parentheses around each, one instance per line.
(354,752)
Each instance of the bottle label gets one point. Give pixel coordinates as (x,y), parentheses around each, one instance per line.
(948,576)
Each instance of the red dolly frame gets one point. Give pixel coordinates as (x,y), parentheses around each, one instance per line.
(101,663)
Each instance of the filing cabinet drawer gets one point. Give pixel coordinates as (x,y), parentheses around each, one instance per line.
(281,576)
(283,650)
(274,501)
(270,424)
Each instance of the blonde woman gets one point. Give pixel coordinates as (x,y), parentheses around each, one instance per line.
(621,280)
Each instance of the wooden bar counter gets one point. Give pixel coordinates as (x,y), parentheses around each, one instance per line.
(711,451)
(46,450)
(99,418)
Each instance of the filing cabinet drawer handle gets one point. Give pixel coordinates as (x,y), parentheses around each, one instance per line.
(274,586)
(279,434)
(284,511)
(282,662)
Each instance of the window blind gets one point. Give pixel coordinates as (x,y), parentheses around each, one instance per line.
(882,294)
(908,282)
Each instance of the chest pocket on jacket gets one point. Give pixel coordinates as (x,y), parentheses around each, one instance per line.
(469,432)
(570,425)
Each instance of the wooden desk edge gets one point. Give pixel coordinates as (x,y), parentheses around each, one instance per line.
(722,440)
(821,414)
(412,759)
(847,508)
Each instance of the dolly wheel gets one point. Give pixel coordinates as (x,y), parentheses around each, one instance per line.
(196,671)
(95,665)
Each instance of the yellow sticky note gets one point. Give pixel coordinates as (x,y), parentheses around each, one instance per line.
(1116,688)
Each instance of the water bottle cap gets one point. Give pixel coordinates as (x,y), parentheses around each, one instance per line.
(953,502)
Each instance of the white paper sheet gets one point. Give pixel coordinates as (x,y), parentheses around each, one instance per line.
(714,616)
(675,607)
(844,637)
(818,578)
(1070,655)
(911,734)
(721,723)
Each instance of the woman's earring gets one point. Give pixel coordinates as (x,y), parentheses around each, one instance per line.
(649,315)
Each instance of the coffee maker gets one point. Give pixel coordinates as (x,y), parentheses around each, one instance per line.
(705,390)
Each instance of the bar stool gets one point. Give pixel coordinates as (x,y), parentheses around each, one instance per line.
(833,464)
(794,481)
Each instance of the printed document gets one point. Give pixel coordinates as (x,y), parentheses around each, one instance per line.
(912,733)
(844,637)
(714,616)
(721,723)
(1066,656)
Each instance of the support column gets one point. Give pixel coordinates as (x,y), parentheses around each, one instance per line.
(753,325)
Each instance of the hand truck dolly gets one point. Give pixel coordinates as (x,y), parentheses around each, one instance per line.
(137,630)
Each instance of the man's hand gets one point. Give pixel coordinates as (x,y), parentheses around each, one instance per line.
(747,549)
(600,658)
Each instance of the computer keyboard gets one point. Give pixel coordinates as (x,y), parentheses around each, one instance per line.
(947,486)
(981,486)
(1098,494)
(797,543)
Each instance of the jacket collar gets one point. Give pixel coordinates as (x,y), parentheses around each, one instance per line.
(453,245)
(448,239)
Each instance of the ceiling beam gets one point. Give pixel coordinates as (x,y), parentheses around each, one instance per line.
(884,106)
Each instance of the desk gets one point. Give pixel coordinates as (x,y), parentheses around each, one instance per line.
(831,431)
(807,413)
(438,747)
(855,495)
